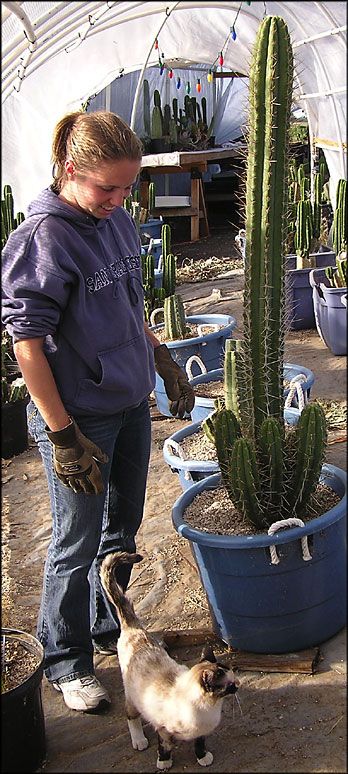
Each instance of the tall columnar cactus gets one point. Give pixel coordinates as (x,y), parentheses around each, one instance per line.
(166,237)
(151,197)
(339,236)
(270,472)
(8,221)
(169,274)
(146,108)
(304,234)
(156,123)
(174,318)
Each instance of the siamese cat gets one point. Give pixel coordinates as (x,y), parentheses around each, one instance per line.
(181,703)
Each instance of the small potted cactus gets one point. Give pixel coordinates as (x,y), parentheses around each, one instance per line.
(305,226)
(203,335)
(329,285)
(261,600)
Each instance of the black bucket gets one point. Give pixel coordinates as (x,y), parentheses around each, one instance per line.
(14,430)
(22,717)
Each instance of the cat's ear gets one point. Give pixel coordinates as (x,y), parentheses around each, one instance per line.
(208,654)
(207,680)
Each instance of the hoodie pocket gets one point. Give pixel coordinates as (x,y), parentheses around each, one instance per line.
(127,375)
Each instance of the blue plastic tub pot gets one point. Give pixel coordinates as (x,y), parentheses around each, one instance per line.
(152,228)
(205,405)
(265,607)
(192,470)
(209,348)
(330,313)
(299,298)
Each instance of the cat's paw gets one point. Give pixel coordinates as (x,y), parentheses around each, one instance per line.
(141,743)
(164,765)
(206,760)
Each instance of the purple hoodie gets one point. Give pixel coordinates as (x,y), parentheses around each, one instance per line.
(77,281)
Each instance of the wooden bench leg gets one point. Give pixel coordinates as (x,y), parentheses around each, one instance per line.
(195,204)
(204,209)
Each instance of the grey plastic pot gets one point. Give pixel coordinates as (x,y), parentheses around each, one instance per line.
(330,310)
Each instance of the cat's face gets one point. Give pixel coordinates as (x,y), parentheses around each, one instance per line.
(215,678)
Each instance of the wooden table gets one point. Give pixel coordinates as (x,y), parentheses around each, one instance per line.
(194,162)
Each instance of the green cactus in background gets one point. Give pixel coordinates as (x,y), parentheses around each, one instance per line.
(175,110)
(173,132)
(166,237)
(337,276)
(339,236)
(269,472)
(8,221)
(151,197)
(166,119)
(146,108)
(303,235)
(156,124)
(169,274)
(174,318)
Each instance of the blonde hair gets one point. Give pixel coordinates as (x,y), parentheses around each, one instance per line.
(88,139)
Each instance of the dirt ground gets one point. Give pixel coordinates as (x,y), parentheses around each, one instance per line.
(285,722)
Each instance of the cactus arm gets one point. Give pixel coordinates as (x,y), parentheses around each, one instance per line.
(231,380)
(271,462)
(169,274)
(243,483)
(311,438)
(225,429)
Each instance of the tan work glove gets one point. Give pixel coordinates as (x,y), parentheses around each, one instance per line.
(177,387)
(74,460)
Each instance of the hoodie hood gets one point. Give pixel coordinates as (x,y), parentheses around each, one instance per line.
(49,203)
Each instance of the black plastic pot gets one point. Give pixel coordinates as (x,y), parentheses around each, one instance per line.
(14,429)
(22,717)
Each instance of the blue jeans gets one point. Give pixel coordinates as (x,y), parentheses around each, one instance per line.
(84,529)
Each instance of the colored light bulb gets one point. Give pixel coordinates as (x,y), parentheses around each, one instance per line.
(198,85)
(210,76)
(221,59)
(233,33)
(188,87)
(170,74)
(178,83)
(156,44)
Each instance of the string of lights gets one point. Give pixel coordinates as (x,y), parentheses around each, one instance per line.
(232,35)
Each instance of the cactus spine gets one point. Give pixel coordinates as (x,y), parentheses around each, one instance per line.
(269,473)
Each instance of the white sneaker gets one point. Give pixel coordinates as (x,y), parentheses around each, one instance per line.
(84,694)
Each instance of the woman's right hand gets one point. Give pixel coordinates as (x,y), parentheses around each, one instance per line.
(74,458)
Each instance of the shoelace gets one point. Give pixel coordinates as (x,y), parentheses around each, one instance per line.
(89,680)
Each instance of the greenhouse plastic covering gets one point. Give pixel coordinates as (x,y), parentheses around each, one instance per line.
(57,55)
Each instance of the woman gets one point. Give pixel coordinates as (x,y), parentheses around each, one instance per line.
(73,303)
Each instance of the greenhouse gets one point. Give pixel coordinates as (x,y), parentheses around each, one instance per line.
(174,380)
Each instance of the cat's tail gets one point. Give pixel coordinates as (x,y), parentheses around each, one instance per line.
(113,590)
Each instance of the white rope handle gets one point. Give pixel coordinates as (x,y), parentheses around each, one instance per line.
(215,326)
(296,387)
(173,447)
(154,313)
(194,359)
(292,522)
